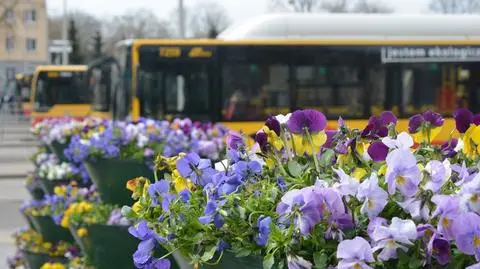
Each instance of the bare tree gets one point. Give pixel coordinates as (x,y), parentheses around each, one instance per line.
(140,23)
(365,6)
(331,6)
(455,6)
(296,5)
(87,26)
(208,20)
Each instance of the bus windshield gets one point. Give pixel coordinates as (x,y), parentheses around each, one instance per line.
(60,88)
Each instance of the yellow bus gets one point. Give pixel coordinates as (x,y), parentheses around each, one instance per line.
(60,90)
(349,65)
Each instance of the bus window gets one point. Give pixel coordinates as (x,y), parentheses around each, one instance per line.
(257,84)
(329,80)
(149,92)
(66,88)
(429,86)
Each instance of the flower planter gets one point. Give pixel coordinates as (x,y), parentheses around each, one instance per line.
(29,221)
(36,190)
(36,260)
(58,148)
(85,243)
(111,176)
(110,247)
(50,231)
(228,261)
(48,186)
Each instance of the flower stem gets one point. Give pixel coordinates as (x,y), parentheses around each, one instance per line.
(314,151)
(287,146)
(280,165)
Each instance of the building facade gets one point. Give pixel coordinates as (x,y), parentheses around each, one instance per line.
(23,38)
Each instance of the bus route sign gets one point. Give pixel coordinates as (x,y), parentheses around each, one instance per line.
(422,54)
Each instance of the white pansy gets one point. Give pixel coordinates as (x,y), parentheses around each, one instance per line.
(283,118)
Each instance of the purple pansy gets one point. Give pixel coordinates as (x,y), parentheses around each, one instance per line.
(448,208)
(355,253)
(374,198)
(397,235)
(211,214)
(199,171)
(463,118)
(466,228)
(402,172)
(273,124)
(235,140)
(429,117)
(263,224)
(312,120)
(378,151)
(378,125)
(306,204)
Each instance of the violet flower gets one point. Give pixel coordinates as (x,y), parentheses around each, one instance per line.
(211,214)
(439,248)
(347,185)
(273,124)
(374,198)
(297,262)
(310,119)
(448,208)
(355,253)
(378,151)
(398,235)
(402,172)
(378,125)
(263,224)
(466,228)
(438,174)
(403,141)
(463,118)
(305,206)
(448,148)
(199,171)
(235,140)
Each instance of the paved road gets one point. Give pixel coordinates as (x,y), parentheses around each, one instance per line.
(16,145)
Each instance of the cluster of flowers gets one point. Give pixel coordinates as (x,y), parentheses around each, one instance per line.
(31,241)
(142,139)
(62,129)
(55,205)
(305,197)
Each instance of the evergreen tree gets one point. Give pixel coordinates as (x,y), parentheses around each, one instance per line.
(76,56)
(97,44)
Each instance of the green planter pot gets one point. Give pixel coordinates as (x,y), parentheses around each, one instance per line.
(229,261)
(36,190)
(84,242)
(36,260)
(50,231)
(29,221)
(48,186)
(111,176)
(113,247)
(58,148)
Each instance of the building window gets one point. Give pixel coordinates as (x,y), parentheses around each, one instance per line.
(30,16)
(31,44)
(9,16)
(10,73)
(10,43)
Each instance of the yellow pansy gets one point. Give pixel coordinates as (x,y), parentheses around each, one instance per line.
(302,145)
(425,136)
(180,183)
(471,141)
(137,207)
(60,190)
(81,232)
(382,170)
(273,138)
(359,173)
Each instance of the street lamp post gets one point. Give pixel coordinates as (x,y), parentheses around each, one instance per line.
(65,34)
(181,18)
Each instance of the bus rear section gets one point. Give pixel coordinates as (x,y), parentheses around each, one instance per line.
(59,91)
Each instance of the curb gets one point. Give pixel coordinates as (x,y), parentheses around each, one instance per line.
(12,176)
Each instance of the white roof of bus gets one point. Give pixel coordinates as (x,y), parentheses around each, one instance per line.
(355,26)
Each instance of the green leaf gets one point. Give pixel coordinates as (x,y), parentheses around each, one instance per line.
(208,255)
(268,261)
(243,253)
(320,260)
(415,263)
(295,168)
(326,158)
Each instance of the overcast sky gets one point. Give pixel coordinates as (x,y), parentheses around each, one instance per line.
(238,10)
